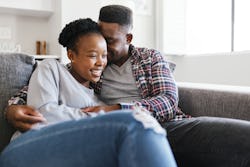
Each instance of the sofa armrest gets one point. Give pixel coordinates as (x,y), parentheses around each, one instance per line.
(214,100)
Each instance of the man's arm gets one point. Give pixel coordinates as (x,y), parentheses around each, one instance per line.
(19,115)
(158,87)
(23,117)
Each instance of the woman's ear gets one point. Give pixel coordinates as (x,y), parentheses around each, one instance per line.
(129,38)
(70,54)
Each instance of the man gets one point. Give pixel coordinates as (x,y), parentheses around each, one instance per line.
(141,77)
(125,79)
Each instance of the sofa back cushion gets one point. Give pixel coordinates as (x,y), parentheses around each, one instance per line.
(15,71)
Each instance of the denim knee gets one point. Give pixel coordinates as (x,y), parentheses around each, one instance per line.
(144,120)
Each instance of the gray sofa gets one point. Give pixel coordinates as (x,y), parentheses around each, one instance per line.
(15,71)
(214,100)
(195,99)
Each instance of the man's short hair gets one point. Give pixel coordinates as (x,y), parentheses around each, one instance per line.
(119,14)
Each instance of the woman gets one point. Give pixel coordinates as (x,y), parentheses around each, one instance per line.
(73,137)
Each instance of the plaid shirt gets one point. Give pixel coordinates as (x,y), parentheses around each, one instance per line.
(154,81)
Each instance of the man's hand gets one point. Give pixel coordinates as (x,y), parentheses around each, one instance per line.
(23,117)
(104,108)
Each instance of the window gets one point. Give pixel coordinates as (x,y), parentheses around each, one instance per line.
(241,25)
(205,26)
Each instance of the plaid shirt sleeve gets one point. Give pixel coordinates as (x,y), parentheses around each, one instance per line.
(159,90)
(19,98)
(126,106)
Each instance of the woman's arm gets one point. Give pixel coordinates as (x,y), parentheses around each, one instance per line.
(44,93)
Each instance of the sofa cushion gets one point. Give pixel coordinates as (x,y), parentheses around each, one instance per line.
(15,71)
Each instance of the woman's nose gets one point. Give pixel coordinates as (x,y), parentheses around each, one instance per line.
(100,60)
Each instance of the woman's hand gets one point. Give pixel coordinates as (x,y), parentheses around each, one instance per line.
(104,108)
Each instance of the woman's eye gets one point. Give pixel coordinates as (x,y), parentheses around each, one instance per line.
(92,56)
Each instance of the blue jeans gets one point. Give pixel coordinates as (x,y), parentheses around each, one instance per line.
(210,142)
(116,139)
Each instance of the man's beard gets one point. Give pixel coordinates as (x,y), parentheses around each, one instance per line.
(110,58)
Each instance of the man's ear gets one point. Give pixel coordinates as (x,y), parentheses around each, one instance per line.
(129,38)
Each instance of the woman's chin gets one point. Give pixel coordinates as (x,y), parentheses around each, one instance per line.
(95,80)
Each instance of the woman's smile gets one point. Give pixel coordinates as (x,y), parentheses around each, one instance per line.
(96,72)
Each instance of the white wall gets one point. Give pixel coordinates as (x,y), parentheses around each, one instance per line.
(144,31)
(25,21)
(25,30)
(79,9)
(144,26)
(27,25)
(31,25)
(54,25)
(218,69)
(224,68)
